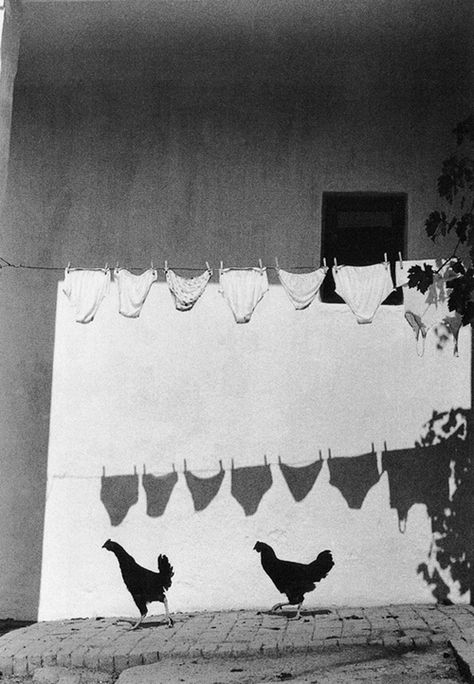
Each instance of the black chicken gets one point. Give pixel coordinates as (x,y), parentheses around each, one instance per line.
(293,579)
(144,585)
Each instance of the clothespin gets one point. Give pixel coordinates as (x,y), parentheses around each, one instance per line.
(279,459)
(324,262)
(232,463)
(385,446)
(385,260)
(400,259)
(320,455)
(185,466)
(260,263)
(277,264)
(68,266)
(222,265)
(220,465)
(151,265)
(208,267)
(265,459)
(329,453)
(134,469)
(144,469)
(335,263)
(103,471)
(117,266)
(373,448)
(166,265)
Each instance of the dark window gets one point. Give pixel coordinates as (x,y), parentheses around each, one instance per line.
(358,229)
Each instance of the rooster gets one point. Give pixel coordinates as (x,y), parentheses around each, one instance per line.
(293,579)
(144,585)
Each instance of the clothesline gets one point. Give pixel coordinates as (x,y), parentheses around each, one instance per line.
(8,264)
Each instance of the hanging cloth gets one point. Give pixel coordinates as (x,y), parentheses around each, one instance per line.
(85,289)
(249,484)
(424,310)
(203,489)
(133,290)
(302,288)
(118,493)
(300,480)
(243,288)
(186,291)
(363,288)
(354,476)
(419,476)
(158,489)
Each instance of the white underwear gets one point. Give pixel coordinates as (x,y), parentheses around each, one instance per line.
(363,288)
(425,310)
(243,288)
(85,289)
(133,290)
(186,291)
(302,288)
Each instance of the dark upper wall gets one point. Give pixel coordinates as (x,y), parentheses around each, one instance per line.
(190,132)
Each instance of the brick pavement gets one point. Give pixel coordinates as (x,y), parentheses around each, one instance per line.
(108,644)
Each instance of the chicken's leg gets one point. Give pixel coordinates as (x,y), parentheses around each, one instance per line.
(170,621)
(139,621)
(278,606)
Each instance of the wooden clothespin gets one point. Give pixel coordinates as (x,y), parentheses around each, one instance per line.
(174,469)
(222,266)
(260,263)
(385,260)
(68,266)
(144,469)
(185,466)
(324,262)
(335,263)
(166,265)
(208,267)
(277,264)
(400,259)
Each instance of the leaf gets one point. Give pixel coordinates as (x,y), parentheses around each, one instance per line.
(464,226)
(433,223)
(458,267)
(464,129)
(421,278)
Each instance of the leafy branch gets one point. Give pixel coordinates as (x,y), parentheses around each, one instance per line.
(456,188)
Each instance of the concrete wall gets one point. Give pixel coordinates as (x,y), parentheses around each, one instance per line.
(214,146)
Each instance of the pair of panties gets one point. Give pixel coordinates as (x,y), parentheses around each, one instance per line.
(249,484)
(354,476)
(424,310)
(301,479)
(363,288)
(203,489)
(243,288)
(158,489)
(133,290)
(419,476)
(302,288)
(186,291)
(118,493)
(85,289)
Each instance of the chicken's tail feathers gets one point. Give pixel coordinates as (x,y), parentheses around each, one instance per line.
(166,571)
(322,565)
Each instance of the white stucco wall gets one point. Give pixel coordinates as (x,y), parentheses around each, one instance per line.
(195,385)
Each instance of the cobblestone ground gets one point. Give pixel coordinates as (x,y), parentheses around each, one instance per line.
(92,651)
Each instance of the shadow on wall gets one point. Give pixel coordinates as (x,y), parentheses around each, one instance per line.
(452,514)
(436,472)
